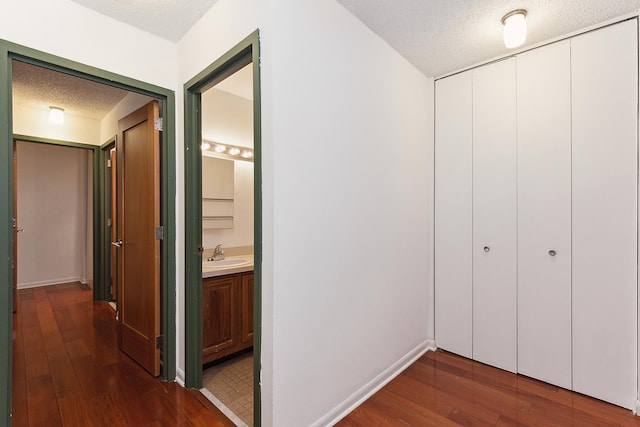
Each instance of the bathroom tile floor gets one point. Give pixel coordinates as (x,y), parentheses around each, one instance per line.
(231,382)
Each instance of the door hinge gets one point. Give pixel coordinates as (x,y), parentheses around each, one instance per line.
(160,233)
(108,163)
(158,123)
(159,341)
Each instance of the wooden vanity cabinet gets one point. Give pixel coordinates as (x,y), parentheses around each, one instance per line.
(227,315)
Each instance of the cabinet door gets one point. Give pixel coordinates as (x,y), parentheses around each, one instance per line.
(453,183)
(246,310)
(544,213)
(494,215)
(604,78)
(219,300)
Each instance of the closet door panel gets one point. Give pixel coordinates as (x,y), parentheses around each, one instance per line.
(604,112)
(453,210)
(494,214)
(544,213)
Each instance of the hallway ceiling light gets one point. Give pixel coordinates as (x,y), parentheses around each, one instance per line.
(515,28)
(56,115)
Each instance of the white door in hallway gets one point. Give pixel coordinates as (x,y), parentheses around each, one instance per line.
(544,213)
(494,214)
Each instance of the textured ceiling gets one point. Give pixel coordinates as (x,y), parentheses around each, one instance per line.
(442,36)
(39,87)
(169,19)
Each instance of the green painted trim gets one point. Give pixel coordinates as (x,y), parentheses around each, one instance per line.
(11,51)
(105,205)
(244,53)
(257,230)
(98,284)
(6,237)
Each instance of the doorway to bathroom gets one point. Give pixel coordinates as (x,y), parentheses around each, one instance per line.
(223,236)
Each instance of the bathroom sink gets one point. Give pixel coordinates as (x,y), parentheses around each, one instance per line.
(229,262)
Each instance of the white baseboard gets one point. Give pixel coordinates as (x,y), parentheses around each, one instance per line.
(369,389)
(431,345)
(180,377)
(636,408)
(49,282)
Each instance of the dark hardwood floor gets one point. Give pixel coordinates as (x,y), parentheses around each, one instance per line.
(442,389)
(67,370)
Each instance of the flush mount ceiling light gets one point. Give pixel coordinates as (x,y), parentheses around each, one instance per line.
(515,28)
(56,115)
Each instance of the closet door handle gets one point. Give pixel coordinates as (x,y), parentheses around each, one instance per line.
(487,248)
(117,244)
(552,252)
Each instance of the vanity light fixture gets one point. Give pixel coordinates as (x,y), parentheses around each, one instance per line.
(56,115)
(226,151)
(515,28)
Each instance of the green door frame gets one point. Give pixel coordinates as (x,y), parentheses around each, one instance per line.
(11,51)
(244,53)
(98,284)
(105,205)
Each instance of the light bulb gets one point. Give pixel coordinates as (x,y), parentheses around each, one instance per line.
(247,154)
(205,146)
(220,148)
(56,115)
(515,28)
(234,151)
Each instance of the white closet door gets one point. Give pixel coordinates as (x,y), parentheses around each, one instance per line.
(604,106)
(494,214)
(544,214)
(453,183)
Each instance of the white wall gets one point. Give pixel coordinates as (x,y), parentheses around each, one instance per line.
(66,29)
(109,123)
(352,144)
(32,121)
(347,168)
(52,209)
(227,118)
(242,232)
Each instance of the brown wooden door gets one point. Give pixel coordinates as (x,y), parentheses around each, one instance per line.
(138,152)
(114,231)
(15,229)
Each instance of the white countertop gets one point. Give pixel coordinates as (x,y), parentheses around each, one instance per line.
(223,271)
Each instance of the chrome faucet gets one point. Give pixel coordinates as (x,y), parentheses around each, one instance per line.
(218,254)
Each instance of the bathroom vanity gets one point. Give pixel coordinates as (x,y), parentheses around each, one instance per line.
(227,310)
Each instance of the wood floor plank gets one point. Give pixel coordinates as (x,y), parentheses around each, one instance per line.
(68,370)
(443,389)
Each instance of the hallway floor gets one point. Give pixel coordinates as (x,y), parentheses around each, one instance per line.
(442,389)
(67,369)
